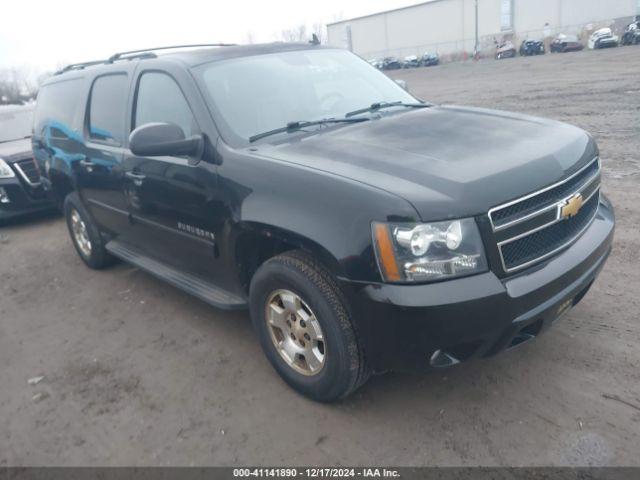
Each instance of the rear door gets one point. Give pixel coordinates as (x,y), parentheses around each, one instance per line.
(171,197)
(100,173)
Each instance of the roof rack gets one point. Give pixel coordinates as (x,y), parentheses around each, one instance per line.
(78,66)
(142,53)
(122,55)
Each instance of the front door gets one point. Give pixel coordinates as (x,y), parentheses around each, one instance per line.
(170,198)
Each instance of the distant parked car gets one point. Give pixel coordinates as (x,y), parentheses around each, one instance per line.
(21,188)
(531,47)
(391,63)
(631,35)
(429,59)
(505,50)
(603,38)
(411,62)
(566,43)
(376,62)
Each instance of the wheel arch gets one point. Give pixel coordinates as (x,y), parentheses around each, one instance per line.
(254,243)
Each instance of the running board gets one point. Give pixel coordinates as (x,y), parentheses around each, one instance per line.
(191,284)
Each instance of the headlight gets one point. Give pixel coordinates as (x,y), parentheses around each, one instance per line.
(422,252)
(5,170)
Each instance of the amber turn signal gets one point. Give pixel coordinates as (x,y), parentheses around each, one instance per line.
(386,256)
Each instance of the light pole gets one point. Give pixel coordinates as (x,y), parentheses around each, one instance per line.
(477,46)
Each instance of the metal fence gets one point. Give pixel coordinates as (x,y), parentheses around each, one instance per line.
(463,49)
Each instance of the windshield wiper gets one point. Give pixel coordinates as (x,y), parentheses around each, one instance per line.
(374,107)
(295,126)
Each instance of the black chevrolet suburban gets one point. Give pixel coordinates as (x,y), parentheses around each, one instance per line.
(366,230)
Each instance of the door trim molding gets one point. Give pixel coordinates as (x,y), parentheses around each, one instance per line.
(176,231)
(106,206)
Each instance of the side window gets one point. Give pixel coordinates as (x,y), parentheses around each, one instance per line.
(58,105)
(107,110)
(161,100)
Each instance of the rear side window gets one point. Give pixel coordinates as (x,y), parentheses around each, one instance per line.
(161,100)
(107,109)
(58,105)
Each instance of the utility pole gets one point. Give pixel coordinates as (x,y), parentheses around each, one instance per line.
(477,46)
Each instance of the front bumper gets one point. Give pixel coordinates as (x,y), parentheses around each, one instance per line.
(22,200)
(413,327)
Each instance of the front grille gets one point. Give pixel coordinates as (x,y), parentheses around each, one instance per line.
(29,170)
(543,243)
(532,228)
(506,214)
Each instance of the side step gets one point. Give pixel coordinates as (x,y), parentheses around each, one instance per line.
(191,284)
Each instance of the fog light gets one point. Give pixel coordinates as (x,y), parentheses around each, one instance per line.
(4,197)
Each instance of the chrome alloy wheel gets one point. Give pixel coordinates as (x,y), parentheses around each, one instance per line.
(80,233)
(295,332)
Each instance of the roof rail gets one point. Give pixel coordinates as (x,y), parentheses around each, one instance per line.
(143,53)
(78,66)
(150,51)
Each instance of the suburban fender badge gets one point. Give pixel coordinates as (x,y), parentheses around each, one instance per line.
(195,231)
(572,206)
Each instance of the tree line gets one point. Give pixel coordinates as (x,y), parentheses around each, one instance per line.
(19,85)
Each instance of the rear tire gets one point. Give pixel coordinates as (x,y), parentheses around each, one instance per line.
(340,364)
(85,234)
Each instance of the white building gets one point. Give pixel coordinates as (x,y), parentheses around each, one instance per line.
(448,27)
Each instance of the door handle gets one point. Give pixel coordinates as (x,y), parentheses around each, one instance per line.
(136,177)
(88,164)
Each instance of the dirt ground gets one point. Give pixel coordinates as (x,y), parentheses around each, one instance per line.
(139,373)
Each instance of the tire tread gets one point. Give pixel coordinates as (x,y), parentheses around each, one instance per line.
(320,276)
(100,258)
(325,281)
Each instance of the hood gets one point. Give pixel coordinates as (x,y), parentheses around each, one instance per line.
(447,161)
(15,150)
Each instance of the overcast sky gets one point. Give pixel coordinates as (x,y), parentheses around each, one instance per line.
(48,33)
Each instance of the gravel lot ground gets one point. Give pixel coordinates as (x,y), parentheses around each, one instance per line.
(139,373)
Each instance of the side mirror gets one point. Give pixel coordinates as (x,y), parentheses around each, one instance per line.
(164,139)
(402,84)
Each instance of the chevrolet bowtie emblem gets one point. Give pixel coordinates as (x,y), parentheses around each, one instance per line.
(572,206)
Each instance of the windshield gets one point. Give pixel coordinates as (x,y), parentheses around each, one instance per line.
(15,123)
(256,94)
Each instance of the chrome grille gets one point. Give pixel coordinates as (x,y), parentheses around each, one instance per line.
(506,214)
(28,170)
(532,228)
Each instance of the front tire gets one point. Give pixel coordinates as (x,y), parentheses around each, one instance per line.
(85,234)
(305,327)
